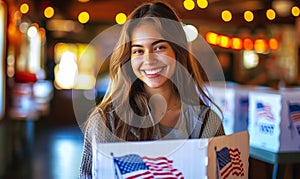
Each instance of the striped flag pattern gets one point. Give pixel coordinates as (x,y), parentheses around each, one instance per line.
(294,110)
(229,162)
(264,110)
(133,166)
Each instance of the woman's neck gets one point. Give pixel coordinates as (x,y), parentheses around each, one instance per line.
(164,104)
(165,93)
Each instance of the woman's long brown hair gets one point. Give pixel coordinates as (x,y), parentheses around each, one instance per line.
(125,102)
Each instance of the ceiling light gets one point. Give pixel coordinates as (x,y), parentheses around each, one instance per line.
(83,1)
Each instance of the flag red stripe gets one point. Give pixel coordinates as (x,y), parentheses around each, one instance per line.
(295,117)
(162,169)
(158,174)
(158,165)
(174,173)
(141,174)
(236,150)
(237,172)
(235,156)
(224,171)
(158,158)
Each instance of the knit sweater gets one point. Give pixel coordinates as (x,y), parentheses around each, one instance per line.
(194,122)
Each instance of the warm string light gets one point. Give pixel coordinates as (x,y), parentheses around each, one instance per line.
(24,8)
(270,14)
(83,17)
(212,38)
(236,43)
(260,45)
(248,16)
(189,4)
(202,4)
(224,41)
(83,1)
(120,18)
(49,12)
(273,44)
(295,11)
(248,44)
(226,15)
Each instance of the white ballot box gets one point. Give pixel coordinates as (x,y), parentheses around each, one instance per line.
(274,120)
(219,157)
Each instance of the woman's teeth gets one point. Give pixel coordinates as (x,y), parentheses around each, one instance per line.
(153,71)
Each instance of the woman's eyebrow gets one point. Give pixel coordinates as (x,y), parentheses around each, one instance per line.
(158,41)
(136,45)
(152,44)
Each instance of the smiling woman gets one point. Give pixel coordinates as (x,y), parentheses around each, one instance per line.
(156,91)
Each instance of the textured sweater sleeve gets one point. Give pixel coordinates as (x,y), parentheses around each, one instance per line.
(212,125)
(87,155)
(95,133)
(86,161)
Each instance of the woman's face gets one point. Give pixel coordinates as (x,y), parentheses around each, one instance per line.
(152,58)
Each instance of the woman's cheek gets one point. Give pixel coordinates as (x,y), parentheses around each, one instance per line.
(135,66)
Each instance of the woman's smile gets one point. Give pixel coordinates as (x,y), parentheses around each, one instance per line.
(151,73)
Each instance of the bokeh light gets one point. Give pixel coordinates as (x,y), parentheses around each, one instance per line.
(248,16)
(271,14)
(202,4)
(189,4)
(24,8)
(226,15)
(49,12)
(83,17)
(121,18)
(295,11)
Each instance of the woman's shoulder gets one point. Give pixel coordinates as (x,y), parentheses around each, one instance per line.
(196,109)
(95,117)
(98,114)
(202,112)
(100,126)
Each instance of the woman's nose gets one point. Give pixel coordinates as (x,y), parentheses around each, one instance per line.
(148,55)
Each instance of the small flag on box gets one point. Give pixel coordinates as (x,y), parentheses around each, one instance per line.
(229,163)
(133,166)
(264,110)
(294,112)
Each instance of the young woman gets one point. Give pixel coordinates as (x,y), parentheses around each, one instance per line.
(157,88)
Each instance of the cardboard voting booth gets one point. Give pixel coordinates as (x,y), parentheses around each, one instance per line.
(219,157)
(274,120)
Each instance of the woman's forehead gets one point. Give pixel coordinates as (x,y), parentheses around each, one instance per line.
(145,31)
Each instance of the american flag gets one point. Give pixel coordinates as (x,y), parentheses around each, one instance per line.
(229,162)
(264,110)
(294,111)
(133,166)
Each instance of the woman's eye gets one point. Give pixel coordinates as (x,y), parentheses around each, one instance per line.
(160,48)
(137,51)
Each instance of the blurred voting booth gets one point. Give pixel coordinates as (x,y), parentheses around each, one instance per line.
(274,120)
(219,157)
(233,100)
